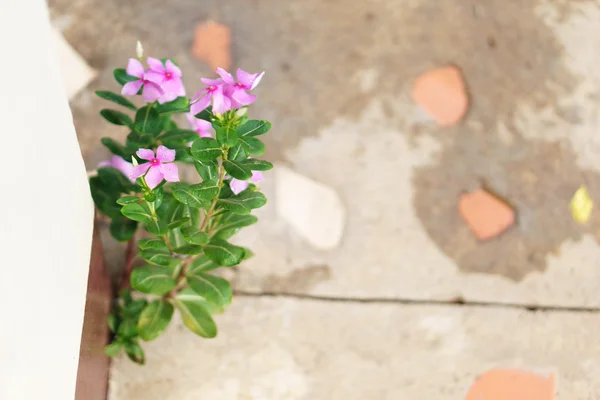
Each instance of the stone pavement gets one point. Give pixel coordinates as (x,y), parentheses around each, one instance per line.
(389,295)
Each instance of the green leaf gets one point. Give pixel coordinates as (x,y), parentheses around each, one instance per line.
(148,121)
(224,253)
(205,191)
(113,178)
(194,216)
(208,170)
(202,263)
(113,349)
(253,146)
(134,309)
(105,197)
(159,257)
(127,200)
(214,289)
(257,165)
(122,229)
(179,222)
(152,280)
(137,140)
(237,153)
(243,203)
(187,195)
(157,228)
(111,321)
(154,319)
(135,352)
(196,318)
(122,77)
(237,170)
(192,235)
(116,117)
(114,147)
(115,98)
(226,135)
(253,128)
(127,328)
(189,249)
(231,223)
(177,138)
(247,254)
(206,114)
(179,105)
(154,243)
(205,149)
(136,212)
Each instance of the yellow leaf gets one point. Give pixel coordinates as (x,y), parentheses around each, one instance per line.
(581,205)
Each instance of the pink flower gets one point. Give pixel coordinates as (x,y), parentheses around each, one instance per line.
(199,125)
(157,168)
(238,91)
(237,186)
(119,163)
(150,92)
(168,77)
(214,94)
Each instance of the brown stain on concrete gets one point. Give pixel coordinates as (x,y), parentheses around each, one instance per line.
(312,52)
(300,280)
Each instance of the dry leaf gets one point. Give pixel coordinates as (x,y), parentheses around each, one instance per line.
(212,43)
(581,205)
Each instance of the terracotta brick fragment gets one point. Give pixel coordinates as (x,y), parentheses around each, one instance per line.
(486,215)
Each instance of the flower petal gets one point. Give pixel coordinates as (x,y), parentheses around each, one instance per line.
(151,92)
(105,163)
(131,88)
(220,103)
(226,76)
(154,177)
(203,125)
(139,171)
(237,186)
(191,119)
(257,80)
(154,76)
(242,97)
(165,154)
(211,82)
(173,69)
(200,104)
(135,68)
(170,172)
(145,154)
(245,78)
(156,65)
(257,176)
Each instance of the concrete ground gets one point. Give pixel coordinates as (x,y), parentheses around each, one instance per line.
(408,304)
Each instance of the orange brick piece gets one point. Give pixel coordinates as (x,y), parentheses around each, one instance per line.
(442,93)
(506,384)
(212,43)
(486,215)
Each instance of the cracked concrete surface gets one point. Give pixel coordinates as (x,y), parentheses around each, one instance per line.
(337,91)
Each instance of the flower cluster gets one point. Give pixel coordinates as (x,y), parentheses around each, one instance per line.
(160,82)
(225,93)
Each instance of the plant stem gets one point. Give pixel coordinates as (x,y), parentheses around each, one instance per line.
(211,209)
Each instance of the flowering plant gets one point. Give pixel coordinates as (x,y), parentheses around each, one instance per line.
(186,226)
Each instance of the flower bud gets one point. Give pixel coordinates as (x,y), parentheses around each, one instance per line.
(139,50)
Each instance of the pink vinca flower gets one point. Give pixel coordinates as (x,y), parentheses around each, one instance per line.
(238,91)
(157,168)
(168,77)
(119,163)
(214,94)
(151,91)
(199,125)
(237,186)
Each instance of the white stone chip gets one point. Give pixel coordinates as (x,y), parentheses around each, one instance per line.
(314,210)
